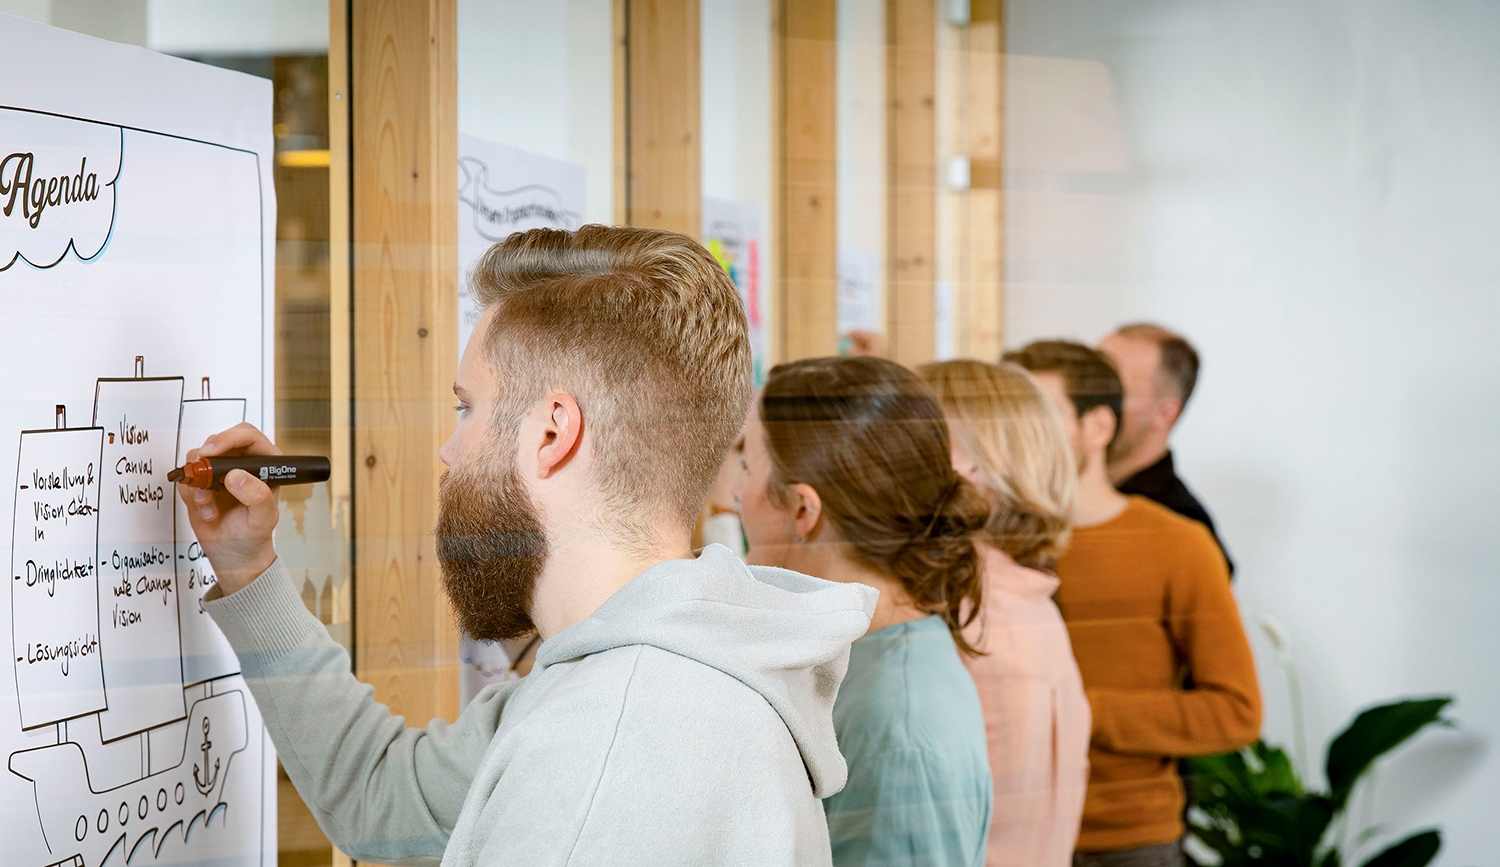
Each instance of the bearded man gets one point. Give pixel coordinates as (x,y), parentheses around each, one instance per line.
(680,707)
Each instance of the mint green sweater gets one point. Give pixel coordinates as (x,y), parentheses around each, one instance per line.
(910,726)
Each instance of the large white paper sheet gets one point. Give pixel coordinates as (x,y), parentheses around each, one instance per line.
(136,232)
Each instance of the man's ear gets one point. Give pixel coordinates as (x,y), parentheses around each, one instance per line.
(809,509)
(561,433)
(1168,411)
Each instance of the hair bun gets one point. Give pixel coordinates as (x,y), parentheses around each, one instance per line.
(940,566)
(961,512)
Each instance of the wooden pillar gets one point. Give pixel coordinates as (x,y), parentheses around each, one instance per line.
(806,157)
(911,227)
(404,301)
(981,295)
(664,147)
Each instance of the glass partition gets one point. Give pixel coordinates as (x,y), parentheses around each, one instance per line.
(536,147)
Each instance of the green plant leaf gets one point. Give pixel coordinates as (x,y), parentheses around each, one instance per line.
(1415,851)
(1277,775)
(1216,839)
(1310,820)
(1231,780)
(1373,733)
(1331,858)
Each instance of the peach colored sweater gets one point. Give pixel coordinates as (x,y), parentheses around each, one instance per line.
(1035,715)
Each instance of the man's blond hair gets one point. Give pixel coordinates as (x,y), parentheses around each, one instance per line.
(1015,436)
(647,332)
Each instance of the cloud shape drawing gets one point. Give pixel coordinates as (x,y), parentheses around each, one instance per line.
(58,183)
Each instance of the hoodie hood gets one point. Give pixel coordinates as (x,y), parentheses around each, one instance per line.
(783,634)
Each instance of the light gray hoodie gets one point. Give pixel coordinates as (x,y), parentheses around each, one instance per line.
(688,721)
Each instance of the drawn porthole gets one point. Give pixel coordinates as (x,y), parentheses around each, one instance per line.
(81,829)
(143,807)
(103,822)
(124,813)
(177,793)
(161,799)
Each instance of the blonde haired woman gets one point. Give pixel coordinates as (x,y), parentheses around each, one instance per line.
(1009,441)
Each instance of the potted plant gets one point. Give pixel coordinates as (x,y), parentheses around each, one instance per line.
(1251,809)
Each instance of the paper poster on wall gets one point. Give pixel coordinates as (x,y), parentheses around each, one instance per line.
(734,233)
(944,320)
(859,307)
(502,190)
(137,222)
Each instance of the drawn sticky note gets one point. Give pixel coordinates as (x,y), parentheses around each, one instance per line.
(205,652)
(54,570)
(138,611)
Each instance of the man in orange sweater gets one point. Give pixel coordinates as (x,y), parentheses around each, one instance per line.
(1145,595)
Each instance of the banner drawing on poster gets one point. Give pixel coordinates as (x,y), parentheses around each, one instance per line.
(503,190)
(134,268)
(734,233)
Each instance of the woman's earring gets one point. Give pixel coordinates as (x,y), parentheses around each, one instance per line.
(801,540)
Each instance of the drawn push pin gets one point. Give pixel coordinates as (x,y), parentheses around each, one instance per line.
(207,392)
(60,417)
(140,367)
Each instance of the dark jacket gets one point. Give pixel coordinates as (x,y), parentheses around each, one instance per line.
(1159,482)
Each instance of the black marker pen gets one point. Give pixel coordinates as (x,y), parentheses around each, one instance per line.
(274,470)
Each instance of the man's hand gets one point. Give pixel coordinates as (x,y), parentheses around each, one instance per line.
(234,525)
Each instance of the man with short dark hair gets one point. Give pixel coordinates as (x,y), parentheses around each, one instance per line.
(1159,370)
(1145,596)
(680,708)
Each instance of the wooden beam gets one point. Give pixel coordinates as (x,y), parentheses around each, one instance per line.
(663,80)
(911,217)
(619,55)
(340,387)
(806,158)
(981,308)
(404,343)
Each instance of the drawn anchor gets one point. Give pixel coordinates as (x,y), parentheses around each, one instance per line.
(205,788)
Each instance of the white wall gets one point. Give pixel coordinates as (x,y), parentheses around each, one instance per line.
(540,76)
(736,100)
(236,26)
(1309,189)
(192,27)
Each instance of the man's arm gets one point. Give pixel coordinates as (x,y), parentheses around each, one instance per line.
(1221,712)
(380,791)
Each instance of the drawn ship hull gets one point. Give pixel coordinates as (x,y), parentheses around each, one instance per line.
(134,822)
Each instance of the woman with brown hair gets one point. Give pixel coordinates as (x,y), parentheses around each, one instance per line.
(1009,441)
(847,477)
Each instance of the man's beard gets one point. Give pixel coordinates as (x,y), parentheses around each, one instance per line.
(492,548)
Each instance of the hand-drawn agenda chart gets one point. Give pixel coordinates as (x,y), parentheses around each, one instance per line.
(136,218)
